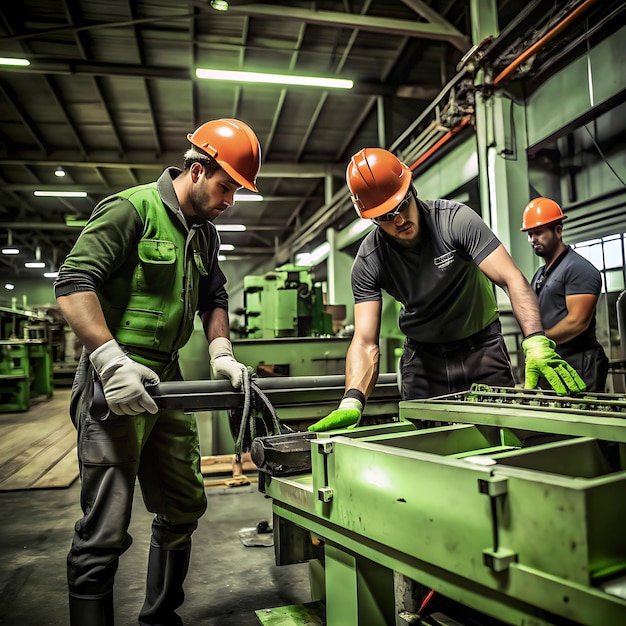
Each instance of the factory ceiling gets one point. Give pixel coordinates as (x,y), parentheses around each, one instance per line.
(111,93)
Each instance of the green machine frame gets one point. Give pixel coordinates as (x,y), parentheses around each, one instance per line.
(512,507)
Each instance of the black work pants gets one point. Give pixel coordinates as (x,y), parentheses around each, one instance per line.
(430,370)
(161,451)
(592,365)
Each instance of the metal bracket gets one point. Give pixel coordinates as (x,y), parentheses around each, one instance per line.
(499,560)
(492,487)
(325,494)
(324,446)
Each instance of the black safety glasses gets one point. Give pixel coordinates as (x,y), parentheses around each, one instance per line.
(391,215)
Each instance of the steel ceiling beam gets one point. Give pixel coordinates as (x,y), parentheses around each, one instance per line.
(421,8)
(148,161)
(442,30)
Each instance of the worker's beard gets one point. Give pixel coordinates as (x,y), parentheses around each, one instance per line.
(410,242)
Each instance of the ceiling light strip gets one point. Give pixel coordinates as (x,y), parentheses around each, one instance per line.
(278,79)
(60,194)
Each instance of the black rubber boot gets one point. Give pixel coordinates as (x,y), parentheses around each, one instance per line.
(164,587)
(91,610)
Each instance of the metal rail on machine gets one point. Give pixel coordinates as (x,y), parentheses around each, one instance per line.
(601,415)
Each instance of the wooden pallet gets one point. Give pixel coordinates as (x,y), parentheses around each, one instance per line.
(220,470)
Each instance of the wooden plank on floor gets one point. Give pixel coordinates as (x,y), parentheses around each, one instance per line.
(31,465)
(38,446)
(18,430)
(223,463)
(61,475)
(229,481)
(26,453)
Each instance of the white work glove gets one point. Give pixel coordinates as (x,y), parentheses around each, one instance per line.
(224,364)
(123,380)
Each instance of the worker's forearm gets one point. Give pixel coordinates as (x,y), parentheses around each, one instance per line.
(82,311)
(525,306)
(215,323)
(566,329)
(362,367)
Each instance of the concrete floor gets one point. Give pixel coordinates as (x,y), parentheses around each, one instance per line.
(227,581)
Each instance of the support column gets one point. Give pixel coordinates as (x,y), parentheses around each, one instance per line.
(502,160)
(339,266)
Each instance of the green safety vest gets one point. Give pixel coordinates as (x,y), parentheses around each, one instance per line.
(150,303)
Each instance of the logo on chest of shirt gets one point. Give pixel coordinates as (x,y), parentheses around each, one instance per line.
(443,261)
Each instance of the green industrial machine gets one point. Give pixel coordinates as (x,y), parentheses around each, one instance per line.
(25,360)
(511,511)
(285,303)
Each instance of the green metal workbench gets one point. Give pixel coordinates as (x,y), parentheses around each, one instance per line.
(513,508)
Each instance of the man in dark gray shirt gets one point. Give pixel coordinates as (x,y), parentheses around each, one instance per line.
(440,261)
(568,287)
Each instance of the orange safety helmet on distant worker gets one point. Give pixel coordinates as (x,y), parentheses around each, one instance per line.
(378,181)
(539,212)
(233,144)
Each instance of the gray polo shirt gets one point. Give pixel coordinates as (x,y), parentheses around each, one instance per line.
(444,295)
(569,275)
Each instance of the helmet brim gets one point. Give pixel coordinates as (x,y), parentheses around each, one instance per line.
(556,219)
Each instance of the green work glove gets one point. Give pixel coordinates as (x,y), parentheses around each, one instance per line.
(347,414)
(542,360)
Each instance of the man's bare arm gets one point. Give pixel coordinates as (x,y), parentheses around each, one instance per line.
(364,352)
(580,310)
(501,270)
(82,311)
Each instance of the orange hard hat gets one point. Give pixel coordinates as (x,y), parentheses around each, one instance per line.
(378,181)
(539,212)
(234,146)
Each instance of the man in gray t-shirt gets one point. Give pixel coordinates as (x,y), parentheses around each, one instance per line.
(440,261)
(568,287)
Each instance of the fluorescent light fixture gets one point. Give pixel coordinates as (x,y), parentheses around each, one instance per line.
(303,259)
(60,172)
(60,194)
(9,286)
(359,226)
(50,274)
(279,79)
(228,228)
(219,5)
(248,197)
(10,251)
(316,255)
(76,222)
(34,265)
(12,61)
(226,247)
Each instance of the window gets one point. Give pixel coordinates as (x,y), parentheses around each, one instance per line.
(607,254)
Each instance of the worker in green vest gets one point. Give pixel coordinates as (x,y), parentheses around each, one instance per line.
(144,265)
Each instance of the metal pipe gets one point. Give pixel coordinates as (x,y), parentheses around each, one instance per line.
(206,395)
(453,131)
(507,71)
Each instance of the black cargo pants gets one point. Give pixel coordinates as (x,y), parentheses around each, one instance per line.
(162,451)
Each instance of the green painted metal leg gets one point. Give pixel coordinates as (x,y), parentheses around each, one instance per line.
(359,592)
